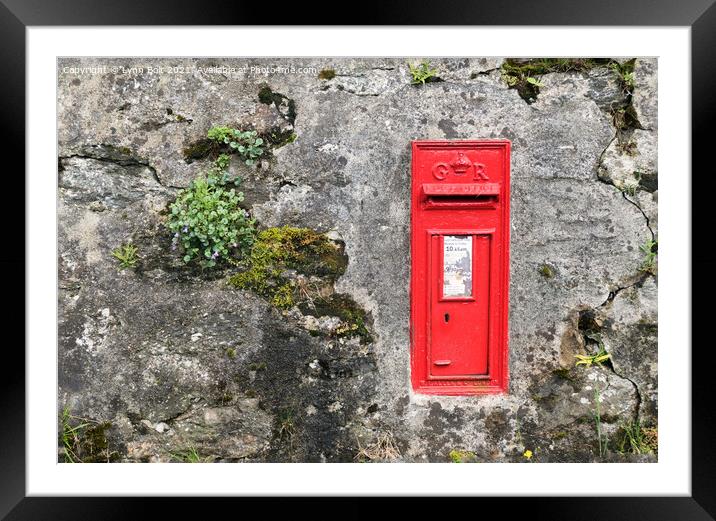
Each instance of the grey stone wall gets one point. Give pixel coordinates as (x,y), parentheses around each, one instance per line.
(175,359)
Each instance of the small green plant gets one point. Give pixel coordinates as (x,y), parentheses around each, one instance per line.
(286,429)
(636,439)
(600,357)
(650,249)
(207,221)
(461,456)
(327,74)
(547,271)
(422,73)
(246,143)
(630,189)
(126,254)
(257,366)
(588,360)
(84,440)
(190,455)
(231,352)
(625,71)
(69,436)
(534,81)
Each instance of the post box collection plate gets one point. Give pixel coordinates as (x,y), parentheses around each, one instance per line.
(460,214)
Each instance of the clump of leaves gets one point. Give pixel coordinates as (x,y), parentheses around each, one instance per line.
(461,456)
(127,256)
(327,74)
(84,440)
(625,71)
(637,439)
(630,188)
(588,360)
(650,249)
(207,221)
(286,429)
(599,358)
(190,455)
(422,73)
(246,143)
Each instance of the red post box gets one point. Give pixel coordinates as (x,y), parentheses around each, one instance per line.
(460,236)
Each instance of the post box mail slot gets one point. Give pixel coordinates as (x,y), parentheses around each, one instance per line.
(460,214)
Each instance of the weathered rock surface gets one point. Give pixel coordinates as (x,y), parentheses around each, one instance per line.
(225,374)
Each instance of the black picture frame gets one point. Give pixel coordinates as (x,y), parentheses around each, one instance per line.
(699,15)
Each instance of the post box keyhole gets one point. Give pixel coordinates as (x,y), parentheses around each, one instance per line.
(447,317)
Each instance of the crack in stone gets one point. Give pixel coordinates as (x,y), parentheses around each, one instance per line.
(130,161)
(612,294)
(646,217)
(624,195)
(640,279)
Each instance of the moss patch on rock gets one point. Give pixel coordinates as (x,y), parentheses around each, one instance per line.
(327,74)
(462,456)
(343,306)
(272,270)
(268,97)
(277,250)
(198,150)
(278,138)
(85,441)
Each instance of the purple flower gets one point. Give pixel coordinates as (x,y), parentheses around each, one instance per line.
(174,246)
(176,235)
(215,255)
(185,229)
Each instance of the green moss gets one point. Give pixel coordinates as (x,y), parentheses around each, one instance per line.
(343,306)
(327,74)
(231,353)
(278,249)
(283,296)
(278,138)
(198,150)
(563,373)
(268,97)
(257,366)
(546,271)
(85,441)
(559,435)
(307,252)
(462,456)
(523,75)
